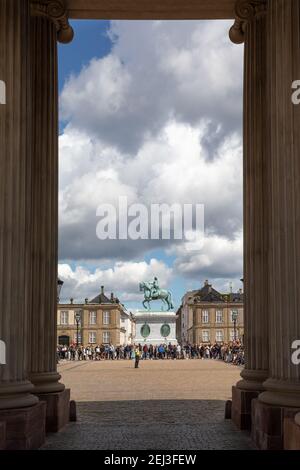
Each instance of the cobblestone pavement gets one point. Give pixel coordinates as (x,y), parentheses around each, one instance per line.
(163,405)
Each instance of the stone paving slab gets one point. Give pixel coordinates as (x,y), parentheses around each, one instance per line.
(172,405)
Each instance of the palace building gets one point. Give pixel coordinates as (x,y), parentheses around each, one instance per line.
(102,320)
(206,316)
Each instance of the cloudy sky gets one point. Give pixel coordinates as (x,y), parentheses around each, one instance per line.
(151,111)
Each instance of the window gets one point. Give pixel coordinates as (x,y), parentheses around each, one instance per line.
(106,337)
(106,318)
(219,336)
(219,316)
(92,337)
(64,317)
(93,318)
(205,336)
(79,337)
(205,318)
(232,313)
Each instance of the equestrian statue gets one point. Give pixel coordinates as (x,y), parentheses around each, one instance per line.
(152,291)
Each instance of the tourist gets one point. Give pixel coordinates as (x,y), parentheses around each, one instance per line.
(137,353)
(145,352)
(231,353)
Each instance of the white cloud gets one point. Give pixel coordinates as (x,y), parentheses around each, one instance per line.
(157,120)
(219,258)
(168,169)
(157,71)
(112,81)
(122,278)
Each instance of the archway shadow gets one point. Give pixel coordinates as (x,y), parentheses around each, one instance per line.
(150,425)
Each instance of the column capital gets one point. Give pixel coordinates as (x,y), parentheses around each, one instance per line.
(55,11)
(245,11)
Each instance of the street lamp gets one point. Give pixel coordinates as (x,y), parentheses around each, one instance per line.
(235,314)
(77,319)
(59,286)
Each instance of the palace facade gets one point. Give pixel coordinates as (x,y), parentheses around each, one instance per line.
(103,320)
(207,316)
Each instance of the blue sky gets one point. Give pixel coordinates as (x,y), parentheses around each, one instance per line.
(160,95)
(91,40)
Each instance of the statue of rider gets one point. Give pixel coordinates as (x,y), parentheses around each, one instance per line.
(155,288)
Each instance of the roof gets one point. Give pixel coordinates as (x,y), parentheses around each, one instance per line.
(236,297)
(208,294)
(103,299)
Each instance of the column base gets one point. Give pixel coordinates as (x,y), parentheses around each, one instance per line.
(267,430)
(15,395)
(25,427)
(58,409)
(291,434)
(46,382)
(241,407)
(2,435)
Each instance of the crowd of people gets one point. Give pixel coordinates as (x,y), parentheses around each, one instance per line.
(232,352)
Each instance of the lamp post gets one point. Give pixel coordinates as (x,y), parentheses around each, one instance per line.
(77,319)
(234,318)
(59,286)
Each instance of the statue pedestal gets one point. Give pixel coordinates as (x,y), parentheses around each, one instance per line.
(157,324)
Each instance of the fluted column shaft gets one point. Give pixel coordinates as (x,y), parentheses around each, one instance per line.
(283,385)
(44,204)
(15,183)
(250,28)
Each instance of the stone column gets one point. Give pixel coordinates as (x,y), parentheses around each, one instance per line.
(282,396)
(23,415)
(48,24)
(250,28)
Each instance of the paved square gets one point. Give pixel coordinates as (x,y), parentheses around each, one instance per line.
(162,405)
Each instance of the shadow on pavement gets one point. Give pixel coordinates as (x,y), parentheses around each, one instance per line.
(150,425)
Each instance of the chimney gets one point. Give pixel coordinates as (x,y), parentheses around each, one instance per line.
(112,297)
(209,288)
(86,300)
(71,300)
(206,282)
(102,289)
